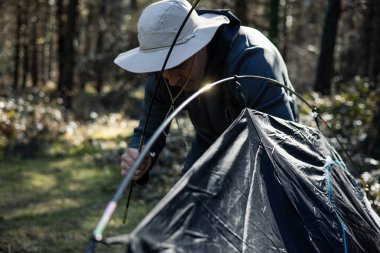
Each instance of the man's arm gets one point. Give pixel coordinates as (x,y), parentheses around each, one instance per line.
(160,107)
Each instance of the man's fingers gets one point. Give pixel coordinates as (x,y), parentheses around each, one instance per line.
(129,158)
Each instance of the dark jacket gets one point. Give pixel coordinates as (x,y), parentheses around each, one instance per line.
(234,50)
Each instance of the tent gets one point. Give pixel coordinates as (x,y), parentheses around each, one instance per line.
(266,185)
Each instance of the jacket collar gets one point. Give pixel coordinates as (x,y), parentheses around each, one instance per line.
(219,46)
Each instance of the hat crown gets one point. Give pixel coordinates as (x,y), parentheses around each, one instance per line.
(160,22)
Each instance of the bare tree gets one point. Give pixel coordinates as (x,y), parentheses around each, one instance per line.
(372,142)
(133,4)
(66,16)
(366,38)
(375,60)
(17,45)
(285,34)
(46,35)
(325,70)
(25,44)
(274,20)
(99,47)
(240,7)
(34,71)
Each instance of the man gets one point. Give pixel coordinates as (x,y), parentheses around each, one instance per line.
(212,45)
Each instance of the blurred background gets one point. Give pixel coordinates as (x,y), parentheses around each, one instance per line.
(67,112)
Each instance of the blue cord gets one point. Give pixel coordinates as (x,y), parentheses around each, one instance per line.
(329,162)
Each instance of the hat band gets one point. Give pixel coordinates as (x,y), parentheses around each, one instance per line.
(165,44)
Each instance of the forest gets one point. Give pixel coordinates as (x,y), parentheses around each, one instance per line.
(67,111)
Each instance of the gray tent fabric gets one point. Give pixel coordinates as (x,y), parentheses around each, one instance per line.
(266,185)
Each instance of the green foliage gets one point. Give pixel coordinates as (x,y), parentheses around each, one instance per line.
(370,182)
(33,124)
(52,203)
(350,114)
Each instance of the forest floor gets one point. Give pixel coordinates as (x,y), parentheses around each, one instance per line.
(51,202)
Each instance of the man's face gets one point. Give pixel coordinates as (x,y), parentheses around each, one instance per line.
(188,74)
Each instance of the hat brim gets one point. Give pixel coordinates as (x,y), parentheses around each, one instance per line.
(145,61)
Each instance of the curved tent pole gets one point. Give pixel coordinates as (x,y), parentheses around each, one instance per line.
(97,233)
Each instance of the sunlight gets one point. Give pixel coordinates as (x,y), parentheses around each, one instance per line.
(40,182)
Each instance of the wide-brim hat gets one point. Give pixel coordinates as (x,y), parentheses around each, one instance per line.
(157,28)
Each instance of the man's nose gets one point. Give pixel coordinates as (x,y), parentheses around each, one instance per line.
(172,76)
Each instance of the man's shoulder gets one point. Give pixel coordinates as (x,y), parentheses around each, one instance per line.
(247,41)
(250,41)
(253,38)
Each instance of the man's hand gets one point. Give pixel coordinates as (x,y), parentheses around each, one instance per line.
(127,160)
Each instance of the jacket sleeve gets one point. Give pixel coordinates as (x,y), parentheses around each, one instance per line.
(160,107)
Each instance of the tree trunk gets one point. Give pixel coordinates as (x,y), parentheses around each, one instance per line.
(17,46)
(66,50)
(274,20)
(366,39)
(25,46)
(375,60)
(89,31)
(44,50)
(99,71)
(51,53)
(25,66)
(34,48)
(240,7)
(51,41)
(61,45)
(372,142)
(285,35)
(133,4)
(222,4)
(325,70)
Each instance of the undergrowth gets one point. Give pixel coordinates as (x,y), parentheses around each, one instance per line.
(58,170)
